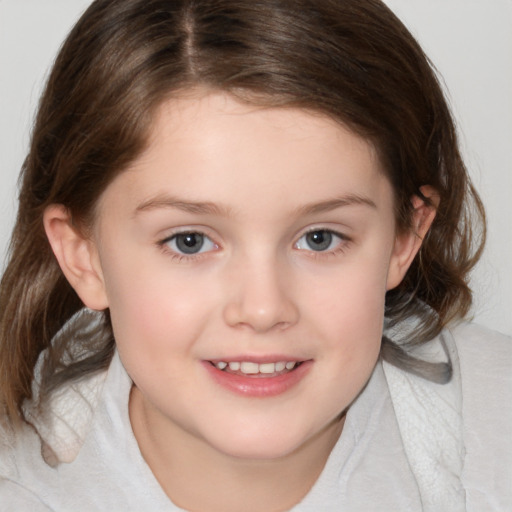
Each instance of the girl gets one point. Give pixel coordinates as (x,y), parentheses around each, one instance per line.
(239,272)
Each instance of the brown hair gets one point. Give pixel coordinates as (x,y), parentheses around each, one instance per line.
(352,60)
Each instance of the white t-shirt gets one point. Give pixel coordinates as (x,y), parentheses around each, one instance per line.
(371,468)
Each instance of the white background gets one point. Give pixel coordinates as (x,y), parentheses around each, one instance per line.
(469,41)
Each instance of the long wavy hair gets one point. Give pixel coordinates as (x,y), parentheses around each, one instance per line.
(351,60)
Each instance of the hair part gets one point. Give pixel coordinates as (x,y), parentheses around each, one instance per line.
(351,60)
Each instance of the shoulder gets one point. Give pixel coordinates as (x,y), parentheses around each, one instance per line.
(465,426)
(485,365)
(475,342)
(98,464)
(485,368)
(14,496)
(20,465)
(18,445)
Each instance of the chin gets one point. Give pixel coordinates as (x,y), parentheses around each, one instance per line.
(261,445)
(256,452)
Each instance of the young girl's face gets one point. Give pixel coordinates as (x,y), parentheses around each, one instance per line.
(261,239)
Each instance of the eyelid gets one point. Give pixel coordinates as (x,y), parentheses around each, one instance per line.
(167,234)
(163,243)
(341,246)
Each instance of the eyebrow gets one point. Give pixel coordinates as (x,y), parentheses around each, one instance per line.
(209,208)
(337,202)
(197,207)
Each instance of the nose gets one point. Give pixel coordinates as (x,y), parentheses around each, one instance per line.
(261,298)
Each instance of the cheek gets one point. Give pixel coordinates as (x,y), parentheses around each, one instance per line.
(153,309)
(156,323)
(160,318)
(352,297)
(353,330)
(348,312)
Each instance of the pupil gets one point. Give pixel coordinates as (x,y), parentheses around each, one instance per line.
(189,243)
(319,240)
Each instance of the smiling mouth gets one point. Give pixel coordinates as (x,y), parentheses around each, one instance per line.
(252,369)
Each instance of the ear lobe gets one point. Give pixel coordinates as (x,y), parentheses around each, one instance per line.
(408,244)
(77,257)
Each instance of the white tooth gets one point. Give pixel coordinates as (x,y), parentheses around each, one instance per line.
(267,368)
(280,366)
(234,366)
(221,365)
(290,365)
(250,368)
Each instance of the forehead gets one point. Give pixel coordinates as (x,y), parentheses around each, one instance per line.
(213,147)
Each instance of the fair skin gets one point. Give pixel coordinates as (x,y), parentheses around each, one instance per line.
(242,234)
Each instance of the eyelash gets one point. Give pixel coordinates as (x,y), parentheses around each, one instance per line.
(340,248)
(179,256)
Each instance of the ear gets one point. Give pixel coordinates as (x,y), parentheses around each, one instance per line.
(408,244)
(77,256)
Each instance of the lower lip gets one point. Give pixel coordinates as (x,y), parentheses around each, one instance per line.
(259,387)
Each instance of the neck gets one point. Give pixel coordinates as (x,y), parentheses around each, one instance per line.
(197,477)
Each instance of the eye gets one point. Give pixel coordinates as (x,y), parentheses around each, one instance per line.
(190,243)
(319,240)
